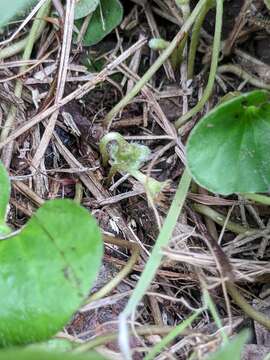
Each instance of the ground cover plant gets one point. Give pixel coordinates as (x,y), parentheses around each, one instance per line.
(125,112)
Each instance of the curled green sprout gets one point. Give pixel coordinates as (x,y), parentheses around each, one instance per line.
(128,158)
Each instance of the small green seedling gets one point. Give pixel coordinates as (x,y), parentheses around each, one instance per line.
(228,150)
(129,158)
(106,15)
(46,269)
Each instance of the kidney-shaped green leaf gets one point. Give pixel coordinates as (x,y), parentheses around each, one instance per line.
(231,350)
(46,271)
(27,354)
(84,8)
(228,150)
(106,17)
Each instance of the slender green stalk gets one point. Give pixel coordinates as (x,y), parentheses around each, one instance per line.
(195,37)
(78,193)
(178,330)
(177,55)
(157,64)
(111,336)
(213,68)
(213,311)
(154,259)
(13,49)
(221,219)
(135,254)
(246,307)
(262,199)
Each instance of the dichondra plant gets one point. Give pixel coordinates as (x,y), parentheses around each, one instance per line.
(46,271)
(228,150)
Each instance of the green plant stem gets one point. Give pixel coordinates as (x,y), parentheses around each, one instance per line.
(221,219)
(177,330)
(209,303)
(154,259)
(157,64)
(17,47)
(152,186)
(213,68)
(195,37)
(262,199)
(176,57)
(238,71)
(162,240)
(246,307)
(135,253)
(111,336)
(36,29)
(78,192)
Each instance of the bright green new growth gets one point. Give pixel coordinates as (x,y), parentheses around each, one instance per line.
(129,158)
(46,269)
(227,151)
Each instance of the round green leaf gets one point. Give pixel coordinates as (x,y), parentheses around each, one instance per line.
(106,17)
(46,271)
(228,150)
(84,8)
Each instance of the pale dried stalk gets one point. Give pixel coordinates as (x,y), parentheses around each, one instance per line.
(78,93)
(62,74)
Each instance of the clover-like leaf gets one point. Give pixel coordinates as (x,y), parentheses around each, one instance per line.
(84,8)
(46,271)
(28,354)
(106,17)
(232,349)
(228,150)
